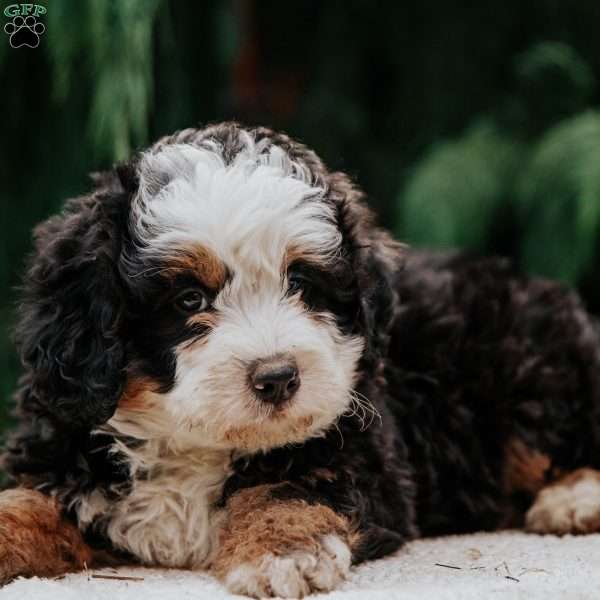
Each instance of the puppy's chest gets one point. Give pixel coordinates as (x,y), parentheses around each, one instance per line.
(170,515)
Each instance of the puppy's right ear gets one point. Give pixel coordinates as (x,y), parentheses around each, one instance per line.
(376,260)
(68,330)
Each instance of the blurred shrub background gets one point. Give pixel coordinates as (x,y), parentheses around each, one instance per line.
(475,126)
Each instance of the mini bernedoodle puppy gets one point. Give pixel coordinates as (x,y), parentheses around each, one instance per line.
(228,366)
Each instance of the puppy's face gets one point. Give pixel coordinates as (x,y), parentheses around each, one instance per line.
(241,330)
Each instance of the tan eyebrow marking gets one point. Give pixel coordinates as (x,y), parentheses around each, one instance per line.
(203,263)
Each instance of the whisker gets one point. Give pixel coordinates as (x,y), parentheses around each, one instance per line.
(335,424)
(363,409)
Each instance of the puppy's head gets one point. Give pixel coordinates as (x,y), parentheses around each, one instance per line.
(222,292)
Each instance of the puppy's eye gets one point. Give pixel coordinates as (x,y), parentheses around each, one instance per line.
(191,301)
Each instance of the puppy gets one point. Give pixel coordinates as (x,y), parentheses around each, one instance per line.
(228,366)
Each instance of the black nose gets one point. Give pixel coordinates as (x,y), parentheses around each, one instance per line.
(275,380)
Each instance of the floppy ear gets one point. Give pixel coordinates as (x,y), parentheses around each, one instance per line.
(376,259)
(71,311)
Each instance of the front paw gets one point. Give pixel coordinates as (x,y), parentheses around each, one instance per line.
(272,544)
(570,505)
(35,539)
(293,575)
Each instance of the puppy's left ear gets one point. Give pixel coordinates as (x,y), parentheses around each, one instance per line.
(68,331)
(376,258)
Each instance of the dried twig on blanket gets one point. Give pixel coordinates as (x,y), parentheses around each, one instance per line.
(448,566)
(527,571)
(119,577)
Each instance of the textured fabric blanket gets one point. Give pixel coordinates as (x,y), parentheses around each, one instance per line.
(502,565)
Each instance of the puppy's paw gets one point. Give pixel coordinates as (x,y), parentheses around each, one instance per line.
(273,543)
(572,505)
(35,539)
(293,575)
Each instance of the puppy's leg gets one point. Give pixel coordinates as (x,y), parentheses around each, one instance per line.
(569,505)
(272,546)
(35,539)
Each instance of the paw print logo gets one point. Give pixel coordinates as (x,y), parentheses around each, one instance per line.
(24,31)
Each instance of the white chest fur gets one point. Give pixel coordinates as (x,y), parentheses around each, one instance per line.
(169,517)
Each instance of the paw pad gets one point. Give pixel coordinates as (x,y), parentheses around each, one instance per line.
(24,31)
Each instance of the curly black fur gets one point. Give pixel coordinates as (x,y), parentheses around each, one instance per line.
(463,356)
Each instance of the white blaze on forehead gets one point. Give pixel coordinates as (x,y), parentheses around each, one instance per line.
(249,212)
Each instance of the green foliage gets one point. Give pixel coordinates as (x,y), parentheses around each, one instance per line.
(558,199)
(528,168)
(552,82)
(457,189)
(110,50)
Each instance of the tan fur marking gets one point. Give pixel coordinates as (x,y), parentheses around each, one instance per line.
(134,395)
(200,261)
(258,525)
(524,468)
(35,540)
(259,436)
